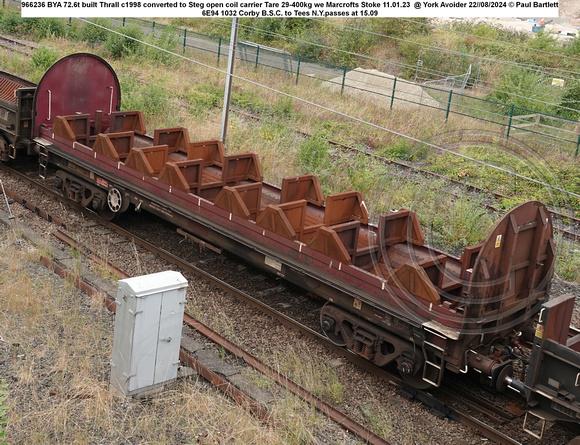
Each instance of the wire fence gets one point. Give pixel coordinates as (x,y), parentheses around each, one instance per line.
(445,95)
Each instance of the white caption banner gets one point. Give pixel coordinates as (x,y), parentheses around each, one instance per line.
(186,8)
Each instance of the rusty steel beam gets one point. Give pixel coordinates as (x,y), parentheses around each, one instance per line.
(218,381)
(226,387)
(85,250)
(330,411)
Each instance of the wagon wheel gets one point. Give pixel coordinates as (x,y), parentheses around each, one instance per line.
(416,381)
(410,368)
(331,329)
(4,150)
(113,206)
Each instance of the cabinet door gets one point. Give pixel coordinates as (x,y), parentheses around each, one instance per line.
(145,339)
(170,323)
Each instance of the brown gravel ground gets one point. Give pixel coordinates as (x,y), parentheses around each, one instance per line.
(41,354)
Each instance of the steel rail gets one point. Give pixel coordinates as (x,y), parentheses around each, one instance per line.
(404,165)
(17,46)
(219,382)
(327,409)
(423,396)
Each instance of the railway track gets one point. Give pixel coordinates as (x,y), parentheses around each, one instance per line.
(474,405)
(18,46)
(569,225)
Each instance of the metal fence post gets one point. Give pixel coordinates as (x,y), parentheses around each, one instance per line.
(510,122)
(257,55)
(184,39)
(393,95)
(123,21)
(448,105)
(298,70)
(577,147)
(219,49)
(343,79)
(153,29)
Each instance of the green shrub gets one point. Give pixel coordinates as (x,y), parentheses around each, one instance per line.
(457,223)
(44,57)
(529,89)
(400,28)
(352,39)
(167,41)
(94,34)
(571,99)
(544,41)
(44,28)
(11,22)
(573,46)
(310,46)
(268,30)
(314,155)
(126,44)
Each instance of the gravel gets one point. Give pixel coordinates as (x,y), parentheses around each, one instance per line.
(361,396)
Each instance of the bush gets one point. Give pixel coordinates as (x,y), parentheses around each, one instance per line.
(573,47)
(401,28)
(571,99)
(44,57)
(11,22)
(544,41)
(352,40)
(525,88)
(93,34)
(124,45)
(167,41)
(44,28)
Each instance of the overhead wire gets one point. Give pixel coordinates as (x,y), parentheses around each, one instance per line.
(423,70)
(430,46)
(339,113)
(484,38)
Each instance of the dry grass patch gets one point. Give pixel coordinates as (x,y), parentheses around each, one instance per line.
(55,352)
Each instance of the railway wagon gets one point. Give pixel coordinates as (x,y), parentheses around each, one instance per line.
(16,96)
(552,384)
(389,297)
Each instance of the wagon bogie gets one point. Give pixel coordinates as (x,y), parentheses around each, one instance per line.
(390,298)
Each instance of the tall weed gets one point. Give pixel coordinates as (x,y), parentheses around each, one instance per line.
(3,410)
(94,34)
(166,41)
(126,43)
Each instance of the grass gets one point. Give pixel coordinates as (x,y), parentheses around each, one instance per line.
(74,345)
(167,101)
(57,365)
(159,91)
(3,410)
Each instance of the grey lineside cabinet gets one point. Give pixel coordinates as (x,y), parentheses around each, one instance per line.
(147,331)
